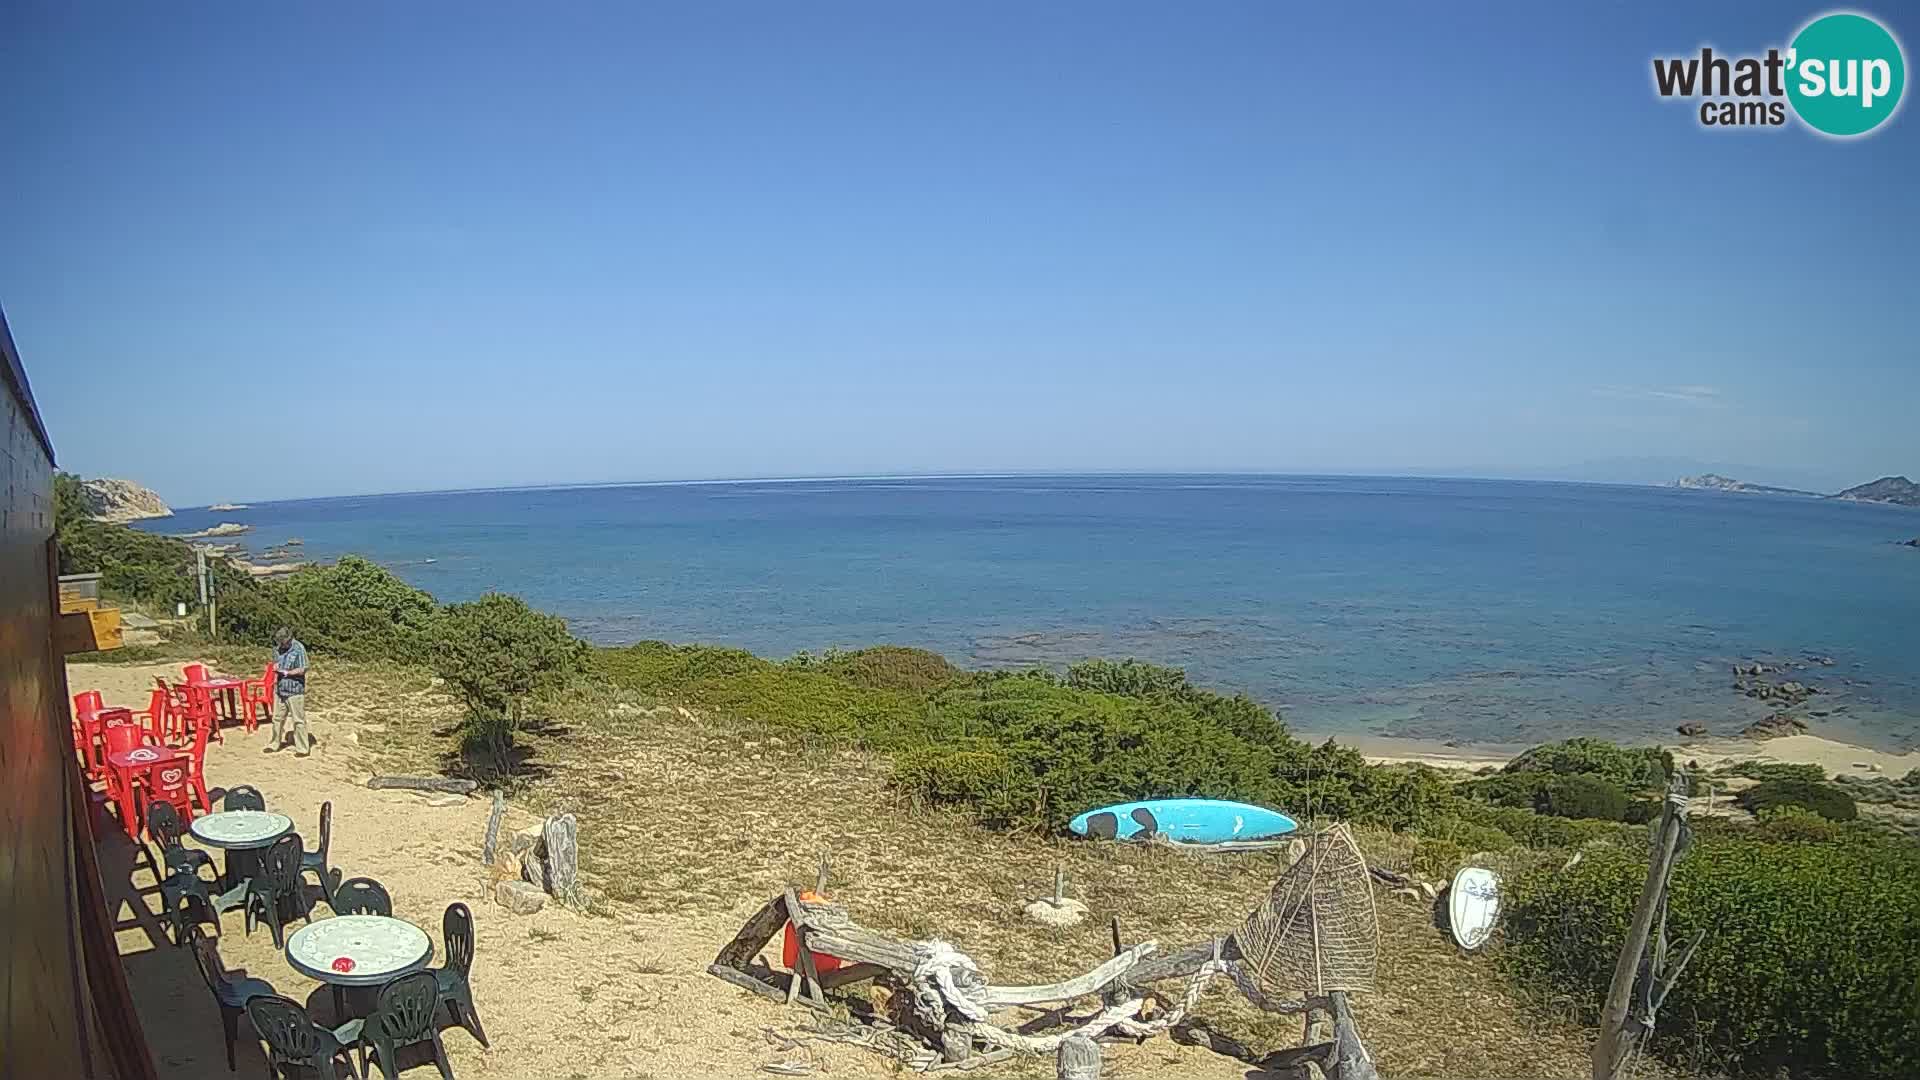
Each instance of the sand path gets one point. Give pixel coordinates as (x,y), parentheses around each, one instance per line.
(562,994)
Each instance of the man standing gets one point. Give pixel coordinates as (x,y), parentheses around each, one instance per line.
(290,686)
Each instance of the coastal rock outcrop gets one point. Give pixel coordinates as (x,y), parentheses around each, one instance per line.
(1897,490)
(121,501)
(1692,730)
(1914,543)
(1786,693)
(225,528)
(1776,726)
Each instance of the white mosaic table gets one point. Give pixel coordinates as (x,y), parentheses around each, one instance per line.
(381,948)
(240,828)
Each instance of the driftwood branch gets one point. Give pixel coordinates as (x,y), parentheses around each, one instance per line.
(425,783)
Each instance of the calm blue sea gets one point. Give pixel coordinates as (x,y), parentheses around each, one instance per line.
(1452,609)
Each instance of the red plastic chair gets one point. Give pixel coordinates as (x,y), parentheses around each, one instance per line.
(154,717)
(119,739)
(195,673)
(197,767)
(170,782)
(88,702)
(197,709)
(256,698)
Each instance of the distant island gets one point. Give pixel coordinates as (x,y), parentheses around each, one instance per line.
(1897,490)
(1893,490)
(1716,482)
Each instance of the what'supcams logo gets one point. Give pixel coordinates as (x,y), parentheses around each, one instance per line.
(1843,76)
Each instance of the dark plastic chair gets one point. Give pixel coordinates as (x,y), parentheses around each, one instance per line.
(456,929)
(231,994)
(275,893)
(316,860)
(295,1041)
(403,1018)
(178,871)
(361,896)
(166,831)
(243,797)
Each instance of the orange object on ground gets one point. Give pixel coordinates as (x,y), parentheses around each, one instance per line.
(790,951)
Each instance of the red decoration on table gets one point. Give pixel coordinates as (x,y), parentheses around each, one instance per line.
(343,964)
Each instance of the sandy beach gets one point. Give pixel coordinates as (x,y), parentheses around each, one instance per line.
(1836,757)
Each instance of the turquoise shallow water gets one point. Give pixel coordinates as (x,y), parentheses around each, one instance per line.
(1453,609)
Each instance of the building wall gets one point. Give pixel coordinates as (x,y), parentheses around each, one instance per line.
(46,1014)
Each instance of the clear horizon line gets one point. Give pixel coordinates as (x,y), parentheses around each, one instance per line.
(995,475)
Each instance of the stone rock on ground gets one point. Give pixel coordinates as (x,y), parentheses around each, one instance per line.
(1069,913)
(1774,727)
(519,897)
(1692,730)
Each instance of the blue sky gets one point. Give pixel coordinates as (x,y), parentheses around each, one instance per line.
(258,251)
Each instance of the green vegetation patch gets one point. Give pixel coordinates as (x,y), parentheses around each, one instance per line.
(1823,799)
(1811,961)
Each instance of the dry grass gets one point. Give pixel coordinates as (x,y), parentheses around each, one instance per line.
(679,816)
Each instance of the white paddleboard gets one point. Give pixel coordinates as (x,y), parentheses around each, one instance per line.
(1473,905)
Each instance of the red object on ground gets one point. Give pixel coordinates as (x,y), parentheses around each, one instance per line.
(790,947)
(88,701)
(195,672)
(343,964)
(197,766)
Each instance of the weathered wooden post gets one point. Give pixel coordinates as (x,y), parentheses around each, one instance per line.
(1078,1059)
(490,847)
(1620,1033)
(561,836)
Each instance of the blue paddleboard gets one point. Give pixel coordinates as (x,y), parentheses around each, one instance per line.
(1193,821)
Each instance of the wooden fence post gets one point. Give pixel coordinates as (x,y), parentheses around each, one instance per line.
(1620,1034)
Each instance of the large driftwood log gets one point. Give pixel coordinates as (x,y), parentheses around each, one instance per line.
(1350,1060)
(424,783)
(1078,1058)
(1180,963)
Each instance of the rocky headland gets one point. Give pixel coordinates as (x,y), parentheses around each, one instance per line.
(121,501)
(1896,490)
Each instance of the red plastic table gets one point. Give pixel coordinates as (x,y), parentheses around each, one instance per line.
(137,762)
(228,685)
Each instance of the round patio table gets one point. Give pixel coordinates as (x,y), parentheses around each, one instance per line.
(380,948)
(242,831)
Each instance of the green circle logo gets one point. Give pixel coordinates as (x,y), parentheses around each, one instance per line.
(1845,74)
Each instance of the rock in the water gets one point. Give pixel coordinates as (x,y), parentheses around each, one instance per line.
(1068,913)
(1914,543)
(519,897)
(1774,727)
(1692,729)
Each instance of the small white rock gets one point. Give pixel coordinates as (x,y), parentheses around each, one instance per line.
(519,897)
(1069,912)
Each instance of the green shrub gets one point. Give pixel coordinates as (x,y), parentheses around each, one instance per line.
(1631,768)
(891,667)
(1540,831)
(1127,678)
(357,609)
(496,653)
(1580,796)
(981,779)
(1823,799)
(656,667)
(1811,962)
(1778,770)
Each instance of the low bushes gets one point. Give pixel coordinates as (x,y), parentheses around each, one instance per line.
(892,667)
(1823,799)
(496,653)
(1778,770)
(1811,961)
(1631,768)
(1580,796)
